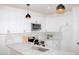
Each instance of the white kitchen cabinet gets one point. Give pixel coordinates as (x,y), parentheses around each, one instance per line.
(13,19)
(76,29)
(53,23)
(66,42)
(3,49)
(62,23)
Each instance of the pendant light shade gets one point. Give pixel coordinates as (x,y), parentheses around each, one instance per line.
(60,8)
(28,15)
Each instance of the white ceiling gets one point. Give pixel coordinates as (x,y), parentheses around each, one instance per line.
(43,8)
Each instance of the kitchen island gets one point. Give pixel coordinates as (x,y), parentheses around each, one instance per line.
(29,49)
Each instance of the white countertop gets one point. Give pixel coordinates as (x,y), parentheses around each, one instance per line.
(26,49)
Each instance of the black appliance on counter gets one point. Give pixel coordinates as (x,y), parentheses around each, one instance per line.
(31,39)
(35,27)
(36,41)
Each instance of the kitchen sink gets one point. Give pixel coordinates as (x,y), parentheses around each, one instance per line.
(40,49)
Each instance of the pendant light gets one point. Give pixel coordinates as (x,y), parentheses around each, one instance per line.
(28,15)
(60,8)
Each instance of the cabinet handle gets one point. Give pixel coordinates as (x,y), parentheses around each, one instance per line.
(77,42)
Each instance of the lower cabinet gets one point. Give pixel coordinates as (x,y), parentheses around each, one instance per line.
(13,52)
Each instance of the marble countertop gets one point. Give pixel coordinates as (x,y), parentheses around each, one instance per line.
(26,49)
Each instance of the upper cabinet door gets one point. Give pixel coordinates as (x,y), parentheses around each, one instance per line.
(56,22)
(52,24)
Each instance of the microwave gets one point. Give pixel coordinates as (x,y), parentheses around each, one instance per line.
(35,27)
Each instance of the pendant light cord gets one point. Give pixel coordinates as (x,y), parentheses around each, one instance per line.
(28,8)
